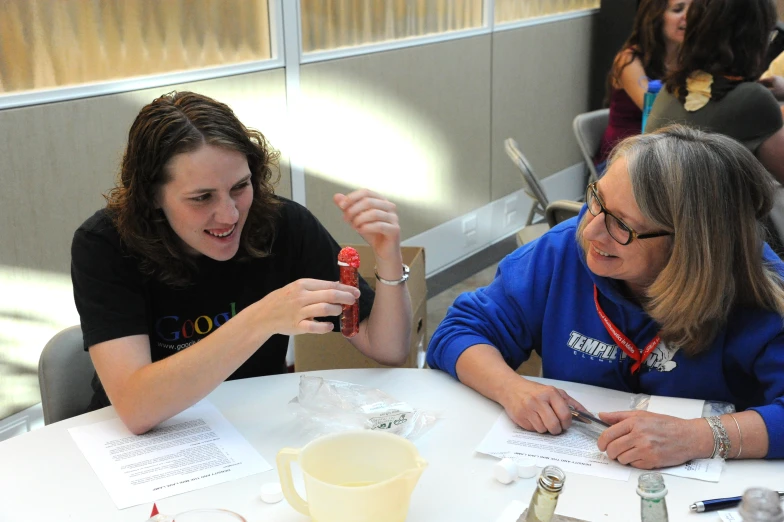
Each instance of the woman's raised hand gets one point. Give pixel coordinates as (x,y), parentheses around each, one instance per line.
(291,310)
(375,219)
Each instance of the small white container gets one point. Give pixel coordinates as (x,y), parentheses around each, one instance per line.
(526,467)
(505,471)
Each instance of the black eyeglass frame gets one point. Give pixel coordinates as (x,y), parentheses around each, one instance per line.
(592,192)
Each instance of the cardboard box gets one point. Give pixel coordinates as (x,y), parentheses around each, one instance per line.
(532,367)
(332,350)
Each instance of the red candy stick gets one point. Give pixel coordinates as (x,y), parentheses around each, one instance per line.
(348,261)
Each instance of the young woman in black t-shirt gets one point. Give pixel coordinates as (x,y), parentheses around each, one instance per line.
(195,272)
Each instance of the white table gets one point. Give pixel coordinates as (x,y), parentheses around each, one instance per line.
(43,476)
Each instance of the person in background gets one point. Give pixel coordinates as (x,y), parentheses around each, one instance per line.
(662,285)
(649,52)
(773,78)
(715,85)
(196,272)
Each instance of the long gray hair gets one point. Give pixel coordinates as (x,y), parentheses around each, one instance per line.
(712,192)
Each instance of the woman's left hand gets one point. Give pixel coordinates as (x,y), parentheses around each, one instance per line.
(374,217)
(649,440)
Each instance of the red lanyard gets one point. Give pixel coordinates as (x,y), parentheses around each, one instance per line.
(628,347)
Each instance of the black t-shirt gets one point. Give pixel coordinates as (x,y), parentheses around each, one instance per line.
(115,299)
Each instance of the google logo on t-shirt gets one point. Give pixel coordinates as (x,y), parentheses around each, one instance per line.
(202,325)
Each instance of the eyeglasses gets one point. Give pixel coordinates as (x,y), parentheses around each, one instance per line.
(618,230)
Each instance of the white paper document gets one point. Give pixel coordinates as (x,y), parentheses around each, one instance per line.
(192,450)
(576,451)
(701,469)
(675,407)
(571,450)
(730,516)
(708,470)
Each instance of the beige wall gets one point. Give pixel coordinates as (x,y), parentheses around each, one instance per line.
(418,120)
(541,81)
(425,125)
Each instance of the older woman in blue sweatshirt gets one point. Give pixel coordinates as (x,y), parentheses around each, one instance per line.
(662,285)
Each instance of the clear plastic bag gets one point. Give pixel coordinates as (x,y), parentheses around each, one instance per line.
(711,408)
(328,406)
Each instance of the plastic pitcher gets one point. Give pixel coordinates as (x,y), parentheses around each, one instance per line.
(353,476)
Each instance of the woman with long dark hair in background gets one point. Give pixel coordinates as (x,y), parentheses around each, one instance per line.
(650,51)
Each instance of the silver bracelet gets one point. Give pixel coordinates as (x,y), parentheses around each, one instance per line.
(740,437)
(394,282)
(721,441)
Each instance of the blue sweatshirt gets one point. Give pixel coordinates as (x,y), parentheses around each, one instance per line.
(542,299)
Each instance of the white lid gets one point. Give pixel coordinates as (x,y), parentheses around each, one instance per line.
(271,492)
(526,467)
(505,471)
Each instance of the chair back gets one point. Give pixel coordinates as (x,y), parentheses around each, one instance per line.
(589,129)
(531,185)
(561,210)
(65,372)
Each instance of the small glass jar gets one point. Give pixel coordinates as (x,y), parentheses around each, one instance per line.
(761,505)
(653,492)
(545,498)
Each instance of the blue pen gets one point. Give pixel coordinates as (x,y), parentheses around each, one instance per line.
(719,503)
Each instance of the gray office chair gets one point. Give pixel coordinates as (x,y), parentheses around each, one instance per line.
(65,372)
(534,190)
(562,210)
(588,129)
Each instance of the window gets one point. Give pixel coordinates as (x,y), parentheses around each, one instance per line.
(54,43)
(331,24)
(513,10)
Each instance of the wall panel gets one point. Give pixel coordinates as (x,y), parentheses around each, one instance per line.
(412,123)
(540,83)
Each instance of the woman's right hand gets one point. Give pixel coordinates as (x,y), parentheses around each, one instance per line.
(291,310)
(539,407)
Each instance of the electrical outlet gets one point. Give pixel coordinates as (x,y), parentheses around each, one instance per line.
(469,225)
(469,230)
(510,211)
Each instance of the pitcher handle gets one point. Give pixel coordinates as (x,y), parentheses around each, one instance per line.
(284,460)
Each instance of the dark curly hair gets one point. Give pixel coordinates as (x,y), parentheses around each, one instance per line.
(178,123)
(724,38)
(646,43)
